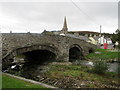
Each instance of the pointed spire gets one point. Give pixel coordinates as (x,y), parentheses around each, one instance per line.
(65,23)
(65,29)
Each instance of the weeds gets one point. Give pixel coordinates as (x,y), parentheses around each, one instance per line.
(100,67)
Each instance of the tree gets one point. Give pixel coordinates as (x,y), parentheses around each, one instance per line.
(116,37)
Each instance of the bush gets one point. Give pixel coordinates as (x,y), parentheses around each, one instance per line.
(100,67)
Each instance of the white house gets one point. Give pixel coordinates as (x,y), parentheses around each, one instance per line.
(109,41)
(102,40)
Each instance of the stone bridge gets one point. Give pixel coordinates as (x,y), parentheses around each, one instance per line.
(42,47)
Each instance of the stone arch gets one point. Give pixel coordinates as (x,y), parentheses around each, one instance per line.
(76,45)
(75,53)
(13,53)
(90,50)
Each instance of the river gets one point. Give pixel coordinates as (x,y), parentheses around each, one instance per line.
(112,67)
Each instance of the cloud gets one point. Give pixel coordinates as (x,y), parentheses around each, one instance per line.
(37,16)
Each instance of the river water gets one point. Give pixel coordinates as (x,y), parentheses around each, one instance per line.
(112,67)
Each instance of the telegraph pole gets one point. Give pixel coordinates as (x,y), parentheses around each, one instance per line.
(100,28)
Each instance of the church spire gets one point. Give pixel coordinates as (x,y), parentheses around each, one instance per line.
(65,23)
(65,29)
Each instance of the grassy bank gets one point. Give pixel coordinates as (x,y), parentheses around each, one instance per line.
(103,54)
(11,82)
(72,76)
(67,76)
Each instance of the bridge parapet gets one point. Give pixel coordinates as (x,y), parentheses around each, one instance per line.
(12,42)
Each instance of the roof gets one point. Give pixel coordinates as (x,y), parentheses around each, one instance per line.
(78,37)
(84,38)
(84,32)
(96,38)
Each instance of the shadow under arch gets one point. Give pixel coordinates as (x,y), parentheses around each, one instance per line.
(31,51)
(36,59)
(75,53)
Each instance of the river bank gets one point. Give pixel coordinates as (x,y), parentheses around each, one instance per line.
(76,74)
(72,76)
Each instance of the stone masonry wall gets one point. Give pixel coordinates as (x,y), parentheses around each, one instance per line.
(12,41)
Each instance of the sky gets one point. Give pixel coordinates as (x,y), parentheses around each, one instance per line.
(37,16)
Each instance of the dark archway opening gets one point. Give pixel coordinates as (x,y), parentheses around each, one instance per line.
(75,54)
(36,62)
(91,50)
(39,56)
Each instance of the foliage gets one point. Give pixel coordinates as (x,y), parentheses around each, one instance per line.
(77,73)
(112,74)
(116,37)
(80,73)
(17,73)
(107,35)
(47,32)
(100,67)
(10,82)
(0,81)
(103,54)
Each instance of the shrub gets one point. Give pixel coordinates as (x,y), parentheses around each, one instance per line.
(100,67)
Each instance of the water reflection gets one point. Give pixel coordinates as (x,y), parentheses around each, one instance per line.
(112,67)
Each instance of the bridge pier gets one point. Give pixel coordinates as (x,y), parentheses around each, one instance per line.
(63,58)
(63,55)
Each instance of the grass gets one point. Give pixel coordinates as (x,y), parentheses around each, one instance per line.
(81,72)
(77,72)
(0,80)
(11,82)
(60,72)
(104,55)
(73,71)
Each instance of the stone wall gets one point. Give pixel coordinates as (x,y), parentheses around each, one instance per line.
(12,42)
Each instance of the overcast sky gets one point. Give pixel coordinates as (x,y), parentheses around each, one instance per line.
(35,17)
